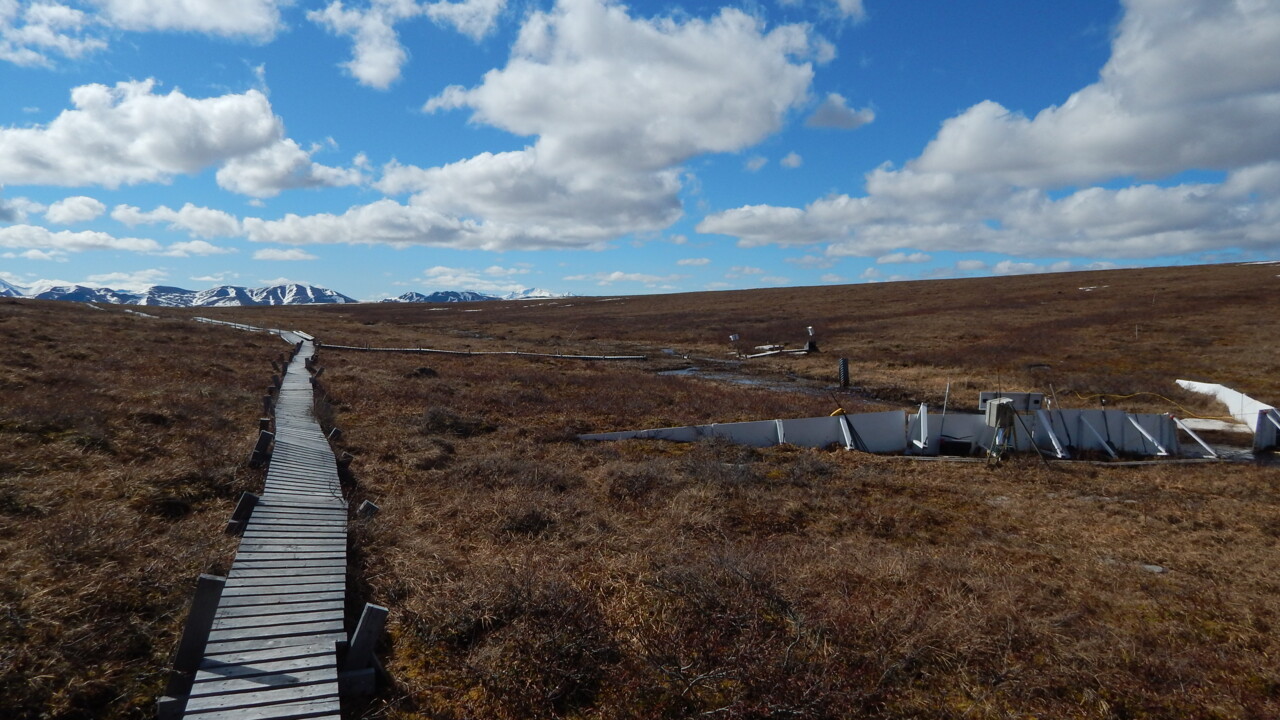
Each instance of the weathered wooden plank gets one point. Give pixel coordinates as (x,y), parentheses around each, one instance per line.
(271,533)
(275,631)
(307,654)
(301,616)
(264,698)
(292,677)
(282,598)
(328,506)
(294,525)
(293,544)
(295,518)
(285,580)
(304,491)
(281,609)
(292,556)
(309,481)
(232,646)
(318,519)
(287,548)
(287,570)
(270,563)
(329,523)
(242,590)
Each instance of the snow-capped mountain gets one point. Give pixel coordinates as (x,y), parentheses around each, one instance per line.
(165,296)
(80,293)
(534,294)
(10,290)
(443,296)
(296,294)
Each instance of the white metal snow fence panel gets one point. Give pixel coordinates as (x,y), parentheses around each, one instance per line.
(1242,407)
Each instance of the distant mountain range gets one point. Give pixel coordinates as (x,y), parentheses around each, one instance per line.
(164,296)
(236,296)
(448,296)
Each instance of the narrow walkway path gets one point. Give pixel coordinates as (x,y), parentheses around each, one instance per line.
(271,653)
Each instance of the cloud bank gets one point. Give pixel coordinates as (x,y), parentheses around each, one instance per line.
(1191,85)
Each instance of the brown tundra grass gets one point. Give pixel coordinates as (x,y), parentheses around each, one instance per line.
(121,448)
(531,575)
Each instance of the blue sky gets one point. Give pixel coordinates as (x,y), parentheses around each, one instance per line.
(377,147)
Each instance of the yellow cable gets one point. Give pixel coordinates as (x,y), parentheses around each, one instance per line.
(1171,402)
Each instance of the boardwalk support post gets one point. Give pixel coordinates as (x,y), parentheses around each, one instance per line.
(244,509)
(266,404)
(357,673)
(195,635)
(367,510)
(260,454)
(335,435)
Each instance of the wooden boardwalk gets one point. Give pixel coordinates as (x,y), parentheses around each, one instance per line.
(271,653)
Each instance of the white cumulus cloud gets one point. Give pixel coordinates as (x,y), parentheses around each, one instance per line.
(377,54)
(493,279)
(129,134)
(135,281)
(33,237)
(615,103)
(283,254)
(618,276)
(252,19)
(31,34)
(200,248)
(901,257)
(282,165)
(17,210)
(199,221)
(72,210)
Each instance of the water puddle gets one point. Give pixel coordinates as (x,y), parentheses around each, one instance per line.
(748,380)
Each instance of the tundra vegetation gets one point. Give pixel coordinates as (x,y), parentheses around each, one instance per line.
(532,575)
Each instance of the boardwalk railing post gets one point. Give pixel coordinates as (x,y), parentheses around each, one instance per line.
(266,404)
(259,455)
(195,635)
(356,675)
(244,509)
